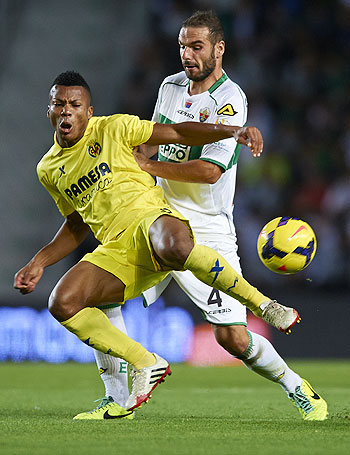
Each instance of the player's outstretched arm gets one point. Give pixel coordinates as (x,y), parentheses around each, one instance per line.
(195,133)
(194,171)
(72,232)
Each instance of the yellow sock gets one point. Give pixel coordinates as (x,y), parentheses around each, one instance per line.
(210,267)
(93,327)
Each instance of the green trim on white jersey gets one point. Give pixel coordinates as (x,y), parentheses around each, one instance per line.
(207,206)
(222,324)
(217,84)
(210,160)
(194,151)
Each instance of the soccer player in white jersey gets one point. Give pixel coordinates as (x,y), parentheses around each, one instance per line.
(199,182)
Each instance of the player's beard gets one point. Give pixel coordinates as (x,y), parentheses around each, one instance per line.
(208,67)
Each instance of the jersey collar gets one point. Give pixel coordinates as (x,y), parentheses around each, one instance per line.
(217,84)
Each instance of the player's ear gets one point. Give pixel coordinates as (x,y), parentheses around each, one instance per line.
(219,49)
(48,111)
(90,111)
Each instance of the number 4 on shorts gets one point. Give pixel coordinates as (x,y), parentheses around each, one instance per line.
(214,298)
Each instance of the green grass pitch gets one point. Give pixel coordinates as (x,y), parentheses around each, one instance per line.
(221,410)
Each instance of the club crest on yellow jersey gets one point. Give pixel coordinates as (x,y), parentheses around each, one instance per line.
(94,149)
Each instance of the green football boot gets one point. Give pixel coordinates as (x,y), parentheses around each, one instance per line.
(309,403)
(107,409)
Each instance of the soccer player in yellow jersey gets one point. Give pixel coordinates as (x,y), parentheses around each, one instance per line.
(93,177)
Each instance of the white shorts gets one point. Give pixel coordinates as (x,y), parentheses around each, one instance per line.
(216,307)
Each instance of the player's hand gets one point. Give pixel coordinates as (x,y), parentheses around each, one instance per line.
(27,278)
(252,138)
(140,158)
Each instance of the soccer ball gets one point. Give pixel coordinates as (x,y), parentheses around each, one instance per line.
(286,245)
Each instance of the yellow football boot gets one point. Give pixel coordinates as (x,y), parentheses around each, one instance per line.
(309,403)
(107,409)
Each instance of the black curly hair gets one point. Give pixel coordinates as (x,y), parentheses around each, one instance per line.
(70,78)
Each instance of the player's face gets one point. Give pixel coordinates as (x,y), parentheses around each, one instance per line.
(198,54)
(69,111)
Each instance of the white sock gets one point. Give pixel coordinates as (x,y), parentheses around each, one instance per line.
(263,359)
(114,371)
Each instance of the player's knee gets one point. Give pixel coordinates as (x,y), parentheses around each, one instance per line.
(61,305)
(174,250)
(171,241)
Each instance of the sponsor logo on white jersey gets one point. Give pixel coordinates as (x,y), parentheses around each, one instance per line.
(186,114)
(175,152)
(227,110)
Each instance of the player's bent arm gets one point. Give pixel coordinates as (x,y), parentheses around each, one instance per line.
(147,150)
(195,133)
(195,171)
(72,232)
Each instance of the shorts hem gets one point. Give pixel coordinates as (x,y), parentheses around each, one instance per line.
(227,323)
(111,305)
(144,301)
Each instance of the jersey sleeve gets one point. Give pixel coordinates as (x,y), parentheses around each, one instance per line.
(232,111)
(63,206)
(138,131)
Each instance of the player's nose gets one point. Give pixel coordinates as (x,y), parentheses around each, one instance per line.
(65,110)
(186,53)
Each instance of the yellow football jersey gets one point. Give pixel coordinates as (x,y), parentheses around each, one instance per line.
(99,177)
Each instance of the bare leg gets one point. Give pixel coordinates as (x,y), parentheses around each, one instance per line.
(73,303)
(258,354)
(84,285)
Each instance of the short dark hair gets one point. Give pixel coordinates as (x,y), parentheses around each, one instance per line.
(70,78)
(207,19)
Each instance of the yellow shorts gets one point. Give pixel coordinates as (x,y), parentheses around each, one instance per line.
(130,256)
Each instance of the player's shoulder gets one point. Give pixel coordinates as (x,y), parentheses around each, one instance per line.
(230,102)
(105,120)
(115,121)
(179,79)
(229,98)
(46,158)
(44,164)
(228,91)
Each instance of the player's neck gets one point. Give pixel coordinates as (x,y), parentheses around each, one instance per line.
(196,88)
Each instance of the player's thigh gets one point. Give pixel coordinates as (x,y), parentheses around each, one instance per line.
(85,285)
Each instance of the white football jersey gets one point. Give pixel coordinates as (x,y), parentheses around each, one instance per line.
(208,207)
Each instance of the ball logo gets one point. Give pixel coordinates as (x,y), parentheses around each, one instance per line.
(94,149)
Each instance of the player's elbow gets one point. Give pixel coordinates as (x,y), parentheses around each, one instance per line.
(212,175)
(213,179)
